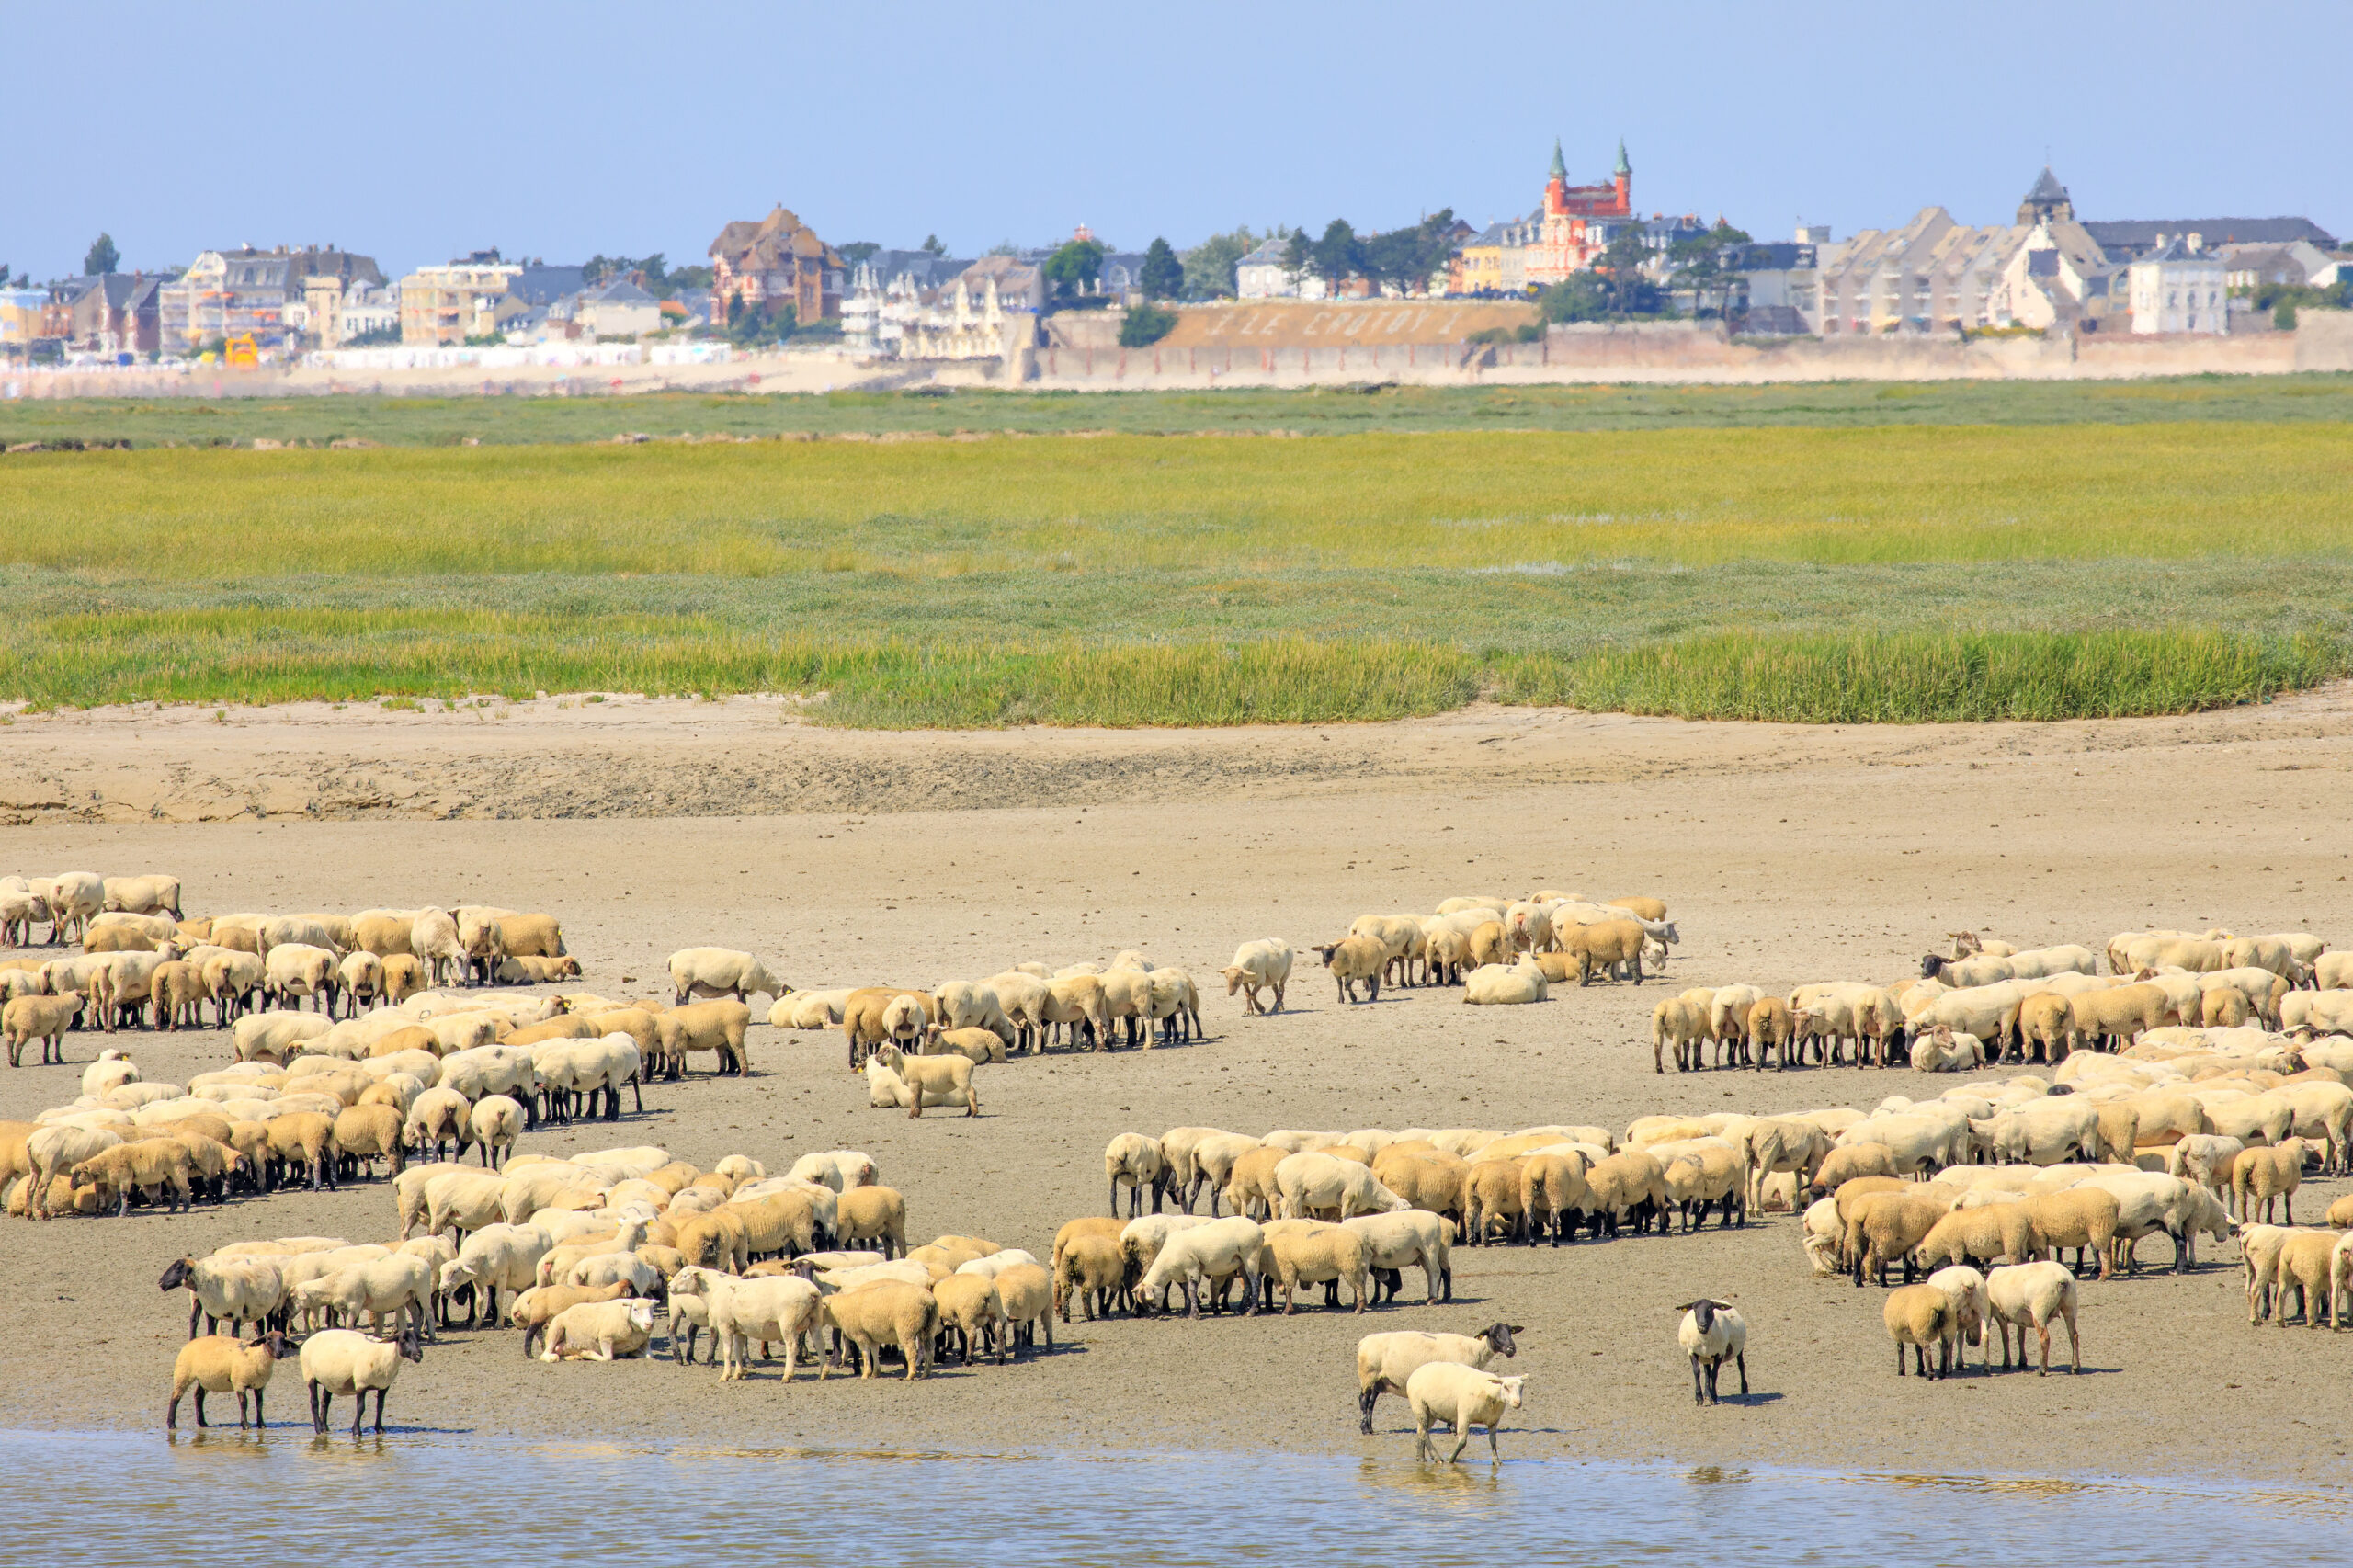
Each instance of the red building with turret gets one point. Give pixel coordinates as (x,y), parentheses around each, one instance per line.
(1565,241)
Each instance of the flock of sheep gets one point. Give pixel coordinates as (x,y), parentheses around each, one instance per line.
(2185,1091)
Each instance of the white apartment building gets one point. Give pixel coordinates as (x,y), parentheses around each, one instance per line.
(2179,287)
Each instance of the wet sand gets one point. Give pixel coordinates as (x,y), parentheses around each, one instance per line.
(1787,854)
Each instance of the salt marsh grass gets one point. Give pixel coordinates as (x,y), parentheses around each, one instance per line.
(1695,498)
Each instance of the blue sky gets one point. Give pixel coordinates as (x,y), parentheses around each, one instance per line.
(418,130)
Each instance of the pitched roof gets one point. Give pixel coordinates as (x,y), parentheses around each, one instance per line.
(766,246)
(2047,189)
(2141,233)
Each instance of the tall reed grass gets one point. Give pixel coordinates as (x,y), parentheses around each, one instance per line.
(235,656)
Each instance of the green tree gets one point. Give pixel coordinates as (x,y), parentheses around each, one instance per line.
(1209,266)
(858,251)
(1339,254)
(1146,326)
(102,256)
(1299,256)
(1163,274)
(1407,257)
(931,242)
(1073,270)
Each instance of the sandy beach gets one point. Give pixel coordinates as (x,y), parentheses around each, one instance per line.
(1787,854)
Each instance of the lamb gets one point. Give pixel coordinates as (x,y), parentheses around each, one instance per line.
(538,1308)
(600,1331)
(343,1361)
(1919,1316)
(1262,964)
(1498,984)
(980,1047)
(222,1364)
(1711,1334)
(1137,1163)
(2267,1175)
(2030,1295)
(1445,1390)
(1353,959)
(45,1018)
(712,971)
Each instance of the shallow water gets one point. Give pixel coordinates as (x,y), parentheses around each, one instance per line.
(108,1498)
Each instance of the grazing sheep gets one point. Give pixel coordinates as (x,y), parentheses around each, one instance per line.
(1919,1316)
(713,971)
(1410,1238)
(1552,1196)
(1265,963)
(1204,1259)
(220,1363)
(1711,1334)
(1464,1396)
(1982,1235)
(1091,1269)
(432,940)
(970,1307)
(2030,1295)
(977,1046)
(717,1026)
(1683,1024)
(343,1361)
(2082,1218)
(1604,945)
(2307,1267)
(1886,1226)
(495,1122)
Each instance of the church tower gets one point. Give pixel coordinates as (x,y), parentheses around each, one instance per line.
(2046,202)
(1623,178)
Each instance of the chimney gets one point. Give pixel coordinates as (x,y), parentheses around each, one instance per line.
(2197,243)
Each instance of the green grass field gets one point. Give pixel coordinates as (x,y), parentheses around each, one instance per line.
(447,422)
(1903,569)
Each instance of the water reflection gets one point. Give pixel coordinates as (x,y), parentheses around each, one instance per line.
(111,1498)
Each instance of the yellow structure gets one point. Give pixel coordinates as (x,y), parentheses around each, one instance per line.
(450,304)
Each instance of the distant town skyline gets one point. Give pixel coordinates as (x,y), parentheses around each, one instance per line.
(567,131)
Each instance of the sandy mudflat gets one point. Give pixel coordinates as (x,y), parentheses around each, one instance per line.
(1788,853)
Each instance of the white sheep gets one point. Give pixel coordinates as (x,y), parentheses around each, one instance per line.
(1136,1162)
(343,1361)
(1265,963)
(600,1331)
(1214,1253)
(2028,1295)
(1512,984)
(1711,1334)
(1386,1362)
(716,971)
(1463,1396)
